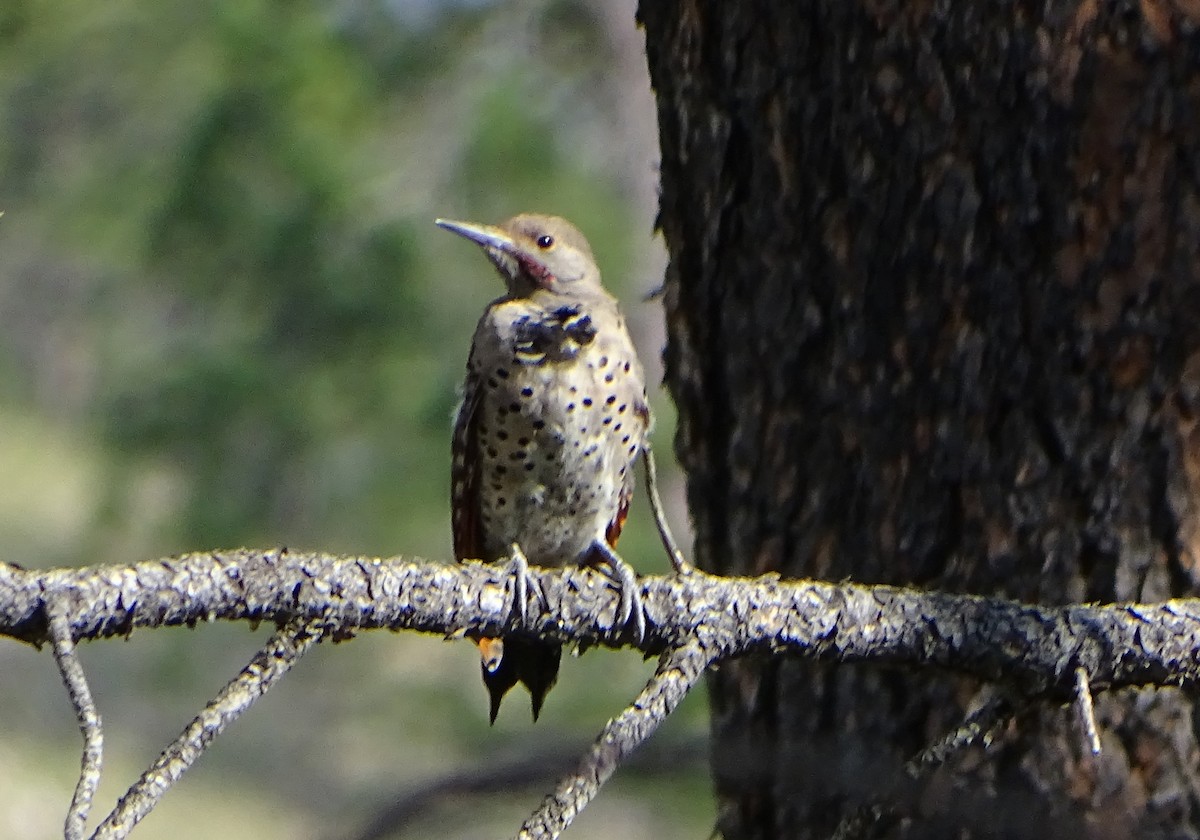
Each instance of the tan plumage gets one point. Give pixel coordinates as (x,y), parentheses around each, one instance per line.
(553,418)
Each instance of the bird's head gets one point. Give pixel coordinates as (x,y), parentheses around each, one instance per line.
(534,252)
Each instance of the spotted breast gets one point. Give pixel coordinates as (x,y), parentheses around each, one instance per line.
(553,419)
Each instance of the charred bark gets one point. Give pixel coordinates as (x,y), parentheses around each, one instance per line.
(934,318)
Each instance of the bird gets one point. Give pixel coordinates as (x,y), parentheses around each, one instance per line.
(553,417)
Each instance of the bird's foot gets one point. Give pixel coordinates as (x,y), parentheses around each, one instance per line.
(622,574)
(524,582)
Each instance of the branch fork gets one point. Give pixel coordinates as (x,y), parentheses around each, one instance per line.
(1061,654)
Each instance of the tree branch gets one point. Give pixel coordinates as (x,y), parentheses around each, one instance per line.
(528,767)
(1035,649)
(59,628)
(265,669)
(694,620)
(677,672)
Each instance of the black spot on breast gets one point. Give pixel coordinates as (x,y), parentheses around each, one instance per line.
(621,408)
(501,502)
(523,441)
(587,402)
(491,451)
(527,392)
(539,424)
(502,435)
(519,455)
(502,373)
(608,377)
(492,383)
(607,421)
(626,367)
(529,466)
(570,406)
(625,439)
(612,398)
(617,427)
(514,407)
(604,361)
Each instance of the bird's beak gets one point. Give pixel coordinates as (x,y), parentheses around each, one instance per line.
(489,236)
(508,255)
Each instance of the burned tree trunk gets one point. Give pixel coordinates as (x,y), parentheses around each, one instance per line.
(934,318)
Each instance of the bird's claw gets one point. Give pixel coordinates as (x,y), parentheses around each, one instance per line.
(631,607)
(523,582)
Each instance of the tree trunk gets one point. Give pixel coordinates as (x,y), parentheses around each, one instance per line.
(934,316)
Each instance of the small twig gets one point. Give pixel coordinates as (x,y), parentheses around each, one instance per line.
(1087,711)
(678,670)
(90,726)
(267,667)
(977,726)
(515,774)
(681,564)
(865,821)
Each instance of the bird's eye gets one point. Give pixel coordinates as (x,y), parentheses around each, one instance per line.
(545,241)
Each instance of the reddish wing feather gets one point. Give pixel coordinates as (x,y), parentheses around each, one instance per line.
(613,532)
(464,477)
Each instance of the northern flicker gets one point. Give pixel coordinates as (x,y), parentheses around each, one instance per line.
(553,418)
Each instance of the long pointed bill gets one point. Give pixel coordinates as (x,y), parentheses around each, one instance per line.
(505,252)
(489,236)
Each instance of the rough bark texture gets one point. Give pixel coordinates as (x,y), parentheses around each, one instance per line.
(1032,648)
(933,312)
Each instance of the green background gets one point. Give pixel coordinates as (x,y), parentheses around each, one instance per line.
(227,319)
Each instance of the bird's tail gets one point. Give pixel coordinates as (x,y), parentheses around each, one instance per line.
(513,659)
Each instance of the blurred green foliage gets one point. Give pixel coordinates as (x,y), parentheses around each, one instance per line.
(226,318)
(260,322)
